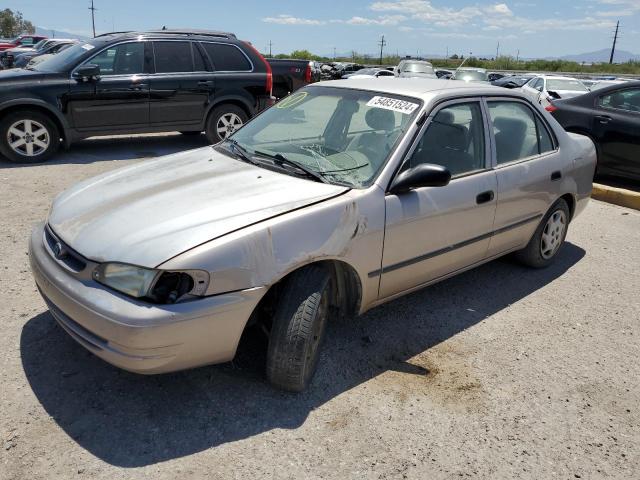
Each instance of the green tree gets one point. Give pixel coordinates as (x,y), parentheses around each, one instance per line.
(13,24)
(302,55)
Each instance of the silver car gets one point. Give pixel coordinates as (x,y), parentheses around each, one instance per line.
(343,196)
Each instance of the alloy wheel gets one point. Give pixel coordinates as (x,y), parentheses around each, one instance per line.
(227,124)
(28,138)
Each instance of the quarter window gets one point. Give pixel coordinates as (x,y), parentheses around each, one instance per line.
(123,59)
(622,100)
(173,57)
(454,139)
(518,132)
(227,58)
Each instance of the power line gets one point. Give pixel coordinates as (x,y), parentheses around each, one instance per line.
(615,40)
(93,18)
(382,44)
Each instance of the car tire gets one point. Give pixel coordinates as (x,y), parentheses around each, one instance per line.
(223,121)
(299,324)
(548,238)
(28,137)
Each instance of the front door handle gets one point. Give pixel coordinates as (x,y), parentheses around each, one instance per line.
(603,119)
(205,83)
(139,86)
(484,197)
(556,176)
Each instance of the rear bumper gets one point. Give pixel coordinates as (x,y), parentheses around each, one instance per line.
(137,336)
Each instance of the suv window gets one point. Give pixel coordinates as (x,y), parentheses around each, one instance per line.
(518,131)
(622,100)
(173,57)
(454,139)
(227,58)
(123,59)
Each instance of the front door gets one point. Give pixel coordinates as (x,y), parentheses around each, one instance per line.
(119,99)
(181,87)
(434,231)
(617,130)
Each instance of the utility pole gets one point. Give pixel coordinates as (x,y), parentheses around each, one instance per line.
(334,54)
(518,56)
(382,44)
(270,45)
(93,18)
(447,57)
(498,50)
(615,40)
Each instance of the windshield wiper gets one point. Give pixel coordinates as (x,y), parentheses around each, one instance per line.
(241,152)
(281,160)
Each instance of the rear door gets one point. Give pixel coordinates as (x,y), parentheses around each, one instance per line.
(181,85)
(434,231)
(119,99)
(617,129)
(529,169)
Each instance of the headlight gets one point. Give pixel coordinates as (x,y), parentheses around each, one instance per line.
(155,285)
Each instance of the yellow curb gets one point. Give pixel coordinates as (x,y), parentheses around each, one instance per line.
(617,196)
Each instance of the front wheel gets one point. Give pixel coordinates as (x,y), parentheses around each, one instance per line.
(223,121)
(548,237)
(298,328)
(28,137)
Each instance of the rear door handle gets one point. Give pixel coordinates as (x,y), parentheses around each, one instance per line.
(603,119)
(484,197)
(205,83)
(556,176)
(139,86)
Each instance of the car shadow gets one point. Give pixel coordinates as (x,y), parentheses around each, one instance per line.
(132,420)
(130,147)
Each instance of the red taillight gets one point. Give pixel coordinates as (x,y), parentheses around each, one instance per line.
(269,85)
(307,74)
(551,108)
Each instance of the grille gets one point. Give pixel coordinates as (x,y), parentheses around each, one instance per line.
(67,255)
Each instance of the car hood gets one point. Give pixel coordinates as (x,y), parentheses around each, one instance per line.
(150,212)
(20,77)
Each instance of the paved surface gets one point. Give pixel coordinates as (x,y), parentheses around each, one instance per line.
(501,372)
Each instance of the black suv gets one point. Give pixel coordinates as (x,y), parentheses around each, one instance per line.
(132,82)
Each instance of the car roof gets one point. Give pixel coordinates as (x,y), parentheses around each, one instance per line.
(422,88)
(188,33)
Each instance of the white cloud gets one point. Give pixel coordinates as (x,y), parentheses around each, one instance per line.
(291,20)
(384,20)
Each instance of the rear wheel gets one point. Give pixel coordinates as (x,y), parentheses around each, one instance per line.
(223,121)
(548,237)
(298,328)
(28,137)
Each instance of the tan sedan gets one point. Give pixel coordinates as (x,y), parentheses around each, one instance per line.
(343,196)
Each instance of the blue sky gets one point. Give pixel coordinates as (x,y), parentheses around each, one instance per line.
(536,28)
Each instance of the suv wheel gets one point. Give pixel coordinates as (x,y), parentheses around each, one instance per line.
(28,137)
(223,121)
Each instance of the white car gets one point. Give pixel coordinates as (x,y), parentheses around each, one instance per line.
(545,89)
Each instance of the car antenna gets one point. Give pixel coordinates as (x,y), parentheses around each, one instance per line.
(464,60)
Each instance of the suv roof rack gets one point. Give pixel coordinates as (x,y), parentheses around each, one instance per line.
(113,33)
(202,33)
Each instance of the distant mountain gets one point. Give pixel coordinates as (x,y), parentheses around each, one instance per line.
(621,56)
(58,34)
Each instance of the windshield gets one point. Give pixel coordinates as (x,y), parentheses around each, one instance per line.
(64,59)
(471,76)
(572,85)
(40,44)
(344,136)
(417,67)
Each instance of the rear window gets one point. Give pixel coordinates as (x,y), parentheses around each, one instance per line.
(173,57)
(227,58)
(570,85)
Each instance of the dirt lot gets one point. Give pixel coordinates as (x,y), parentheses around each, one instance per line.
(502,372)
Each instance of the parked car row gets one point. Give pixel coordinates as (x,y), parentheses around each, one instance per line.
(19,57)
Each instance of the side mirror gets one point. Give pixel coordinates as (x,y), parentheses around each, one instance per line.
(424,175)
(87,72)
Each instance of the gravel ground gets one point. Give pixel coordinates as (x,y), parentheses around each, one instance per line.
(501,372)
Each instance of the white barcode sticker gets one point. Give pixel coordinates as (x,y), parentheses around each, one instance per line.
(88,46)
(393,104)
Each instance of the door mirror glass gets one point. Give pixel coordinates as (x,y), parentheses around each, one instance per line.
(424,175)
(87,72)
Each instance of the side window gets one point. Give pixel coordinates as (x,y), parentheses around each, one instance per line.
(544,138)
(123,59)
(454,139)
(173,57)
(199,63)
(26,41)
(227,58)
(515,130)
(622,100)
